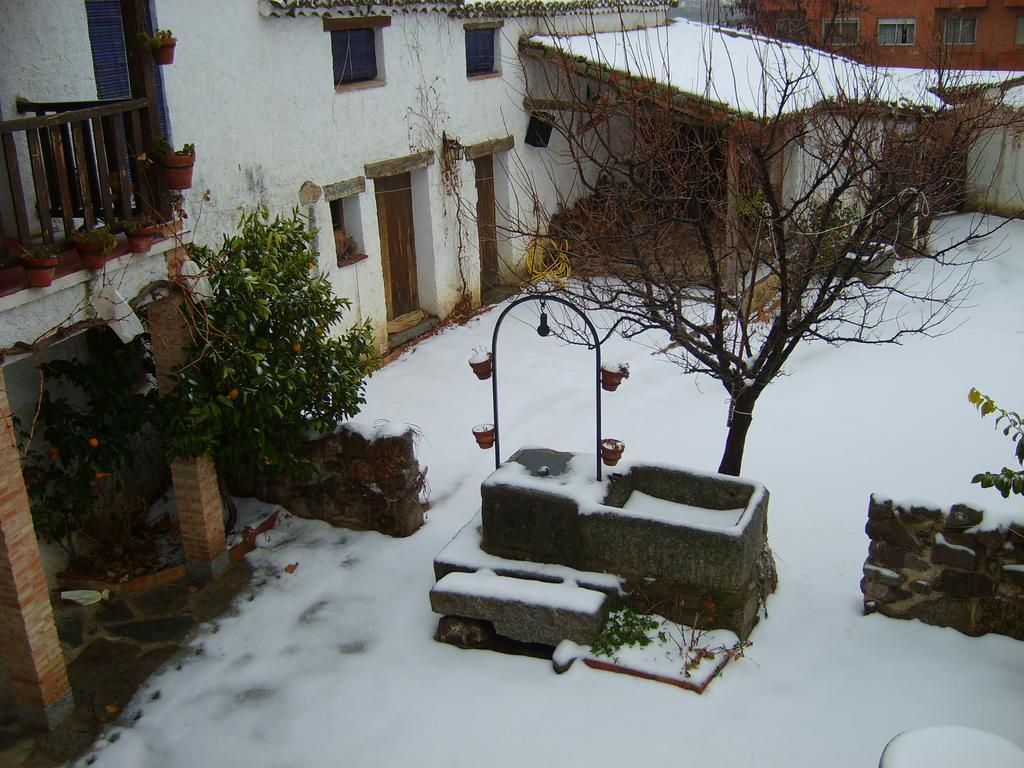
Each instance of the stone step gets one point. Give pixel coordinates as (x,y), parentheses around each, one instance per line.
(523,609)
(464,554)
(409,326)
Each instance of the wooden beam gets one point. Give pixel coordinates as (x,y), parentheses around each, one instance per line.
(17,194)
(35,154)
(142,79)
(487,24)
(413,162)
(346,188)
(356,22)
(45,121)
(489,147)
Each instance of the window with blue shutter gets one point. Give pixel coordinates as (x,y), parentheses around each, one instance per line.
(355,55)
(479,52)
(106,37)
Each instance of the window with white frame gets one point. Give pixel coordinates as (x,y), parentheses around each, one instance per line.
(840,31)
(960,30)
(897,31)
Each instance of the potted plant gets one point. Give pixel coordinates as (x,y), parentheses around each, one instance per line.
(484,434)
(40,264)
(140,231)
(93,246)
(176,163)
(480,362)
(161,44)
(611,451)
(612,375)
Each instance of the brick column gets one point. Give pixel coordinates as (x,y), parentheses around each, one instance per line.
(33,658)
(196,493)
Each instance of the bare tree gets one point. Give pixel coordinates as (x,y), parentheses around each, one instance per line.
(795,207)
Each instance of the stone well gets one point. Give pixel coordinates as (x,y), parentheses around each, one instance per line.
(687,545)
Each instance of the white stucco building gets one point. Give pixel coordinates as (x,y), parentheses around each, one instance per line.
(424,145)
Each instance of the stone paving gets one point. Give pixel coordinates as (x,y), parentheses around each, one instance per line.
(111,648)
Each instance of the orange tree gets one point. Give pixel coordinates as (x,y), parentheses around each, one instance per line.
(271,361)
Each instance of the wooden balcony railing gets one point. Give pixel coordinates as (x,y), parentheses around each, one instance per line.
(73,164)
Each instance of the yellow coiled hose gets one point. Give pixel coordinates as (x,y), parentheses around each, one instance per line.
(548,260)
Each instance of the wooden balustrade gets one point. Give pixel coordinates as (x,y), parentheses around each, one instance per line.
(72,164)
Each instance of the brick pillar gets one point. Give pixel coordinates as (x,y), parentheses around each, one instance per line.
(196,493)
(33,659)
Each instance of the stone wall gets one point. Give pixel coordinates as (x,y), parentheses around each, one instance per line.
(945,567)
(362,478)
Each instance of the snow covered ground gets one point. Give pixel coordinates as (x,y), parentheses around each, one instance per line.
(334,665)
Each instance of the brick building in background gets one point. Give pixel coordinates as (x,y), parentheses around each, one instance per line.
(964,34)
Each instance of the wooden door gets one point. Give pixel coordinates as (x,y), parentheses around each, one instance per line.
(486,228)
(397,243)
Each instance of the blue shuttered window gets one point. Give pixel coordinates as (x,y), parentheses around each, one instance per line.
(355,55)
(108,54)
(479,52)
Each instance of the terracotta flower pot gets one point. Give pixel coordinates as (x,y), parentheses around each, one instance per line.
(140,239)
(93,255)
(611,378)
(40,272)
(178,170)
(611,451)
(482,368)
(484,434)
(165,53)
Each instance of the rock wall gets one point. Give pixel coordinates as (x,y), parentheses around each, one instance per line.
(362,478)
(945,567)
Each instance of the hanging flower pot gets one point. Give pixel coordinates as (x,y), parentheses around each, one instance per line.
(481,364)
(484,434)
(40,265)
(178,169)
(177,164)
(612,375)
(93,247)
(611,451)
(164,53)
(140,232)
(161,44)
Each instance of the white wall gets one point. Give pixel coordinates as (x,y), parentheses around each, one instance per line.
(995,174)
(256,96)
(46,54)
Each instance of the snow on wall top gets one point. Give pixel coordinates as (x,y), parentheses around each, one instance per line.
(751,74)
(466,8)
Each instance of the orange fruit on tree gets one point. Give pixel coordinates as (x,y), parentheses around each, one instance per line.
(233,394)
(296,347)
(93,442)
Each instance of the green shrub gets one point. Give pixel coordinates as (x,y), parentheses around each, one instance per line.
(266,368)
(86,434)
(1007,480)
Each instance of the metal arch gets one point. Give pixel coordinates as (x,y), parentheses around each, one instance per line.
(543,298)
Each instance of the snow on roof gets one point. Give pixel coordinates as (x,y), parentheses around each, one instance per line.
(751,74)
(1014,95)
(468,8)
